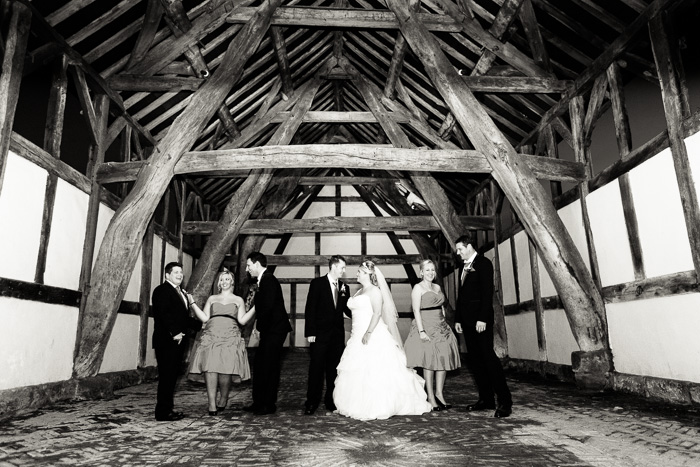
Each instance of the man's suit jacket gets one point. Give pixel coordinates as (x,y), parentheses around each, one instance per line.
(270,312)
(475,299)
(322,315)
(170,314)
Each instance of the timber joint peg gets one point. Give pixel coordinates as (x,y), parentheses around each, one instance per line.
(638,291)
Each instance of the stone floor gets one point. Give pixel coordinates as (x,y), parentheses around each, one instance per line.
(553,424)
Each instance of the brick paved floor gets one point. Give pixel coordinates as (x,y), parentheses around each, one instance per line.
(553,424)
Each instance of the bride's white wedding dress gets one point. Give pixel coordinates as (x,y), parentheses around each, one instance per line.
(373,381)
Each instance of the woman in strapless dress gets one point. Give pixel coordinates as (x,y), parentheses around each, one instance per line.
(221,353)
(430,344)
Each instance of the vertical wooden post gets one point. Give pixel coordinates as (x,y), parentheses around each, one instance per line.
(53,134)
(293,315)
(97,155)
(500,334)
(537,298)
(514,258)
(183,213)
(624,144)
(119,249)
(164,223)
(145,291)
(11,74)
(673,108)
(582,299)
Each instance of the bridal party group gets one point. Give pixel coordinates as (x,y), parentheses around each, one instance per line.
(372,375)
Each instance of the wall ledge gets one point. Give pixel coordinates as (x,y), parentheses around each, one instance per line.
(24,399)
(547,370)
(662,389)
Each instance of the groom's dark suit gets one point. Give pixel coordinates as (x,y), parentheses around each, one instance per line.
(324,320)
(273,325)
(475,303)
(169,319)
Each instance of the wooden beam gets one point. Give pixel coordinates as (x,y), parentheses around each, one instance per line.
(624,144)
(361,156)
(345,180)
(86,330)
(356,18)
(145,292)
(145,83)
(341,224)
(15,45)
(559,254)
(320,260)
(241,206)
(673,108)
(147,33)
(537,298)
(53,133)
(585,80)
(119,248)
(282,60)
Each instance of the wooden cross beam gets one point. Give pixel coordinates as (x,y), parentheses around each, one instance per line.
(583,301)
(119,249)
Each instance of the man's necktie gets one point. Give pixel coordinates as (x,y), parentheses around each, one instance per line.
(464,272)
(183,296)
(335,293)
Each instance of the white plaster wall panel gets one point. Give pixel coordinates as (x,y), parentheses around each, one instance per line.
(379,244)
(302,292)
(657,337)
(352,209)
(507,280)
(294,272)
(662,232)
(292,214)
(270,246)
(155,263)
(39,348)
(692,144)
(572,217)
(560,339)
(402,299)
(299,334)
(320,209)
(348,190)
(21,210)
(522,336)
(150,353)
(328,190)
(104,215)
(340,244)
(610,235)
(65,253)
(547,288)
(134,288)
(408,246)
(299,244)
(123,345)
(522,250)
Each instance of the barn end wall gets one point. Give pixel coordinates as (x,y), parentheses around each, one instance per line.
(42,319)
(653,338)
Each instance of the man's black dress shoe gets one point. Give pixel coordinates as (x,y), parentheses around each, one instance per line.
(251,408)
(213,412)
(331,407)
(442,405)
(220,409)
(265,410)
(480,405)
(309,409)
(171,417)
(503,411)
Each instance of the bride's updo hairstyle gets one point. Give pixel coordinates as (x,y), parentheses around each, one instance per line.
(368,267)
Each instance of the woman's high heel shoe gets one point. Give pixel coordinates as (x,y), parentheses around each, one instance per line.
(213,413)
(436,409)
(442,405)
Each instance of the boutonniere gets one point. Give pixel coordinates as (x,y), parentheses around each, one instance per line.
(343,290)
(471,269)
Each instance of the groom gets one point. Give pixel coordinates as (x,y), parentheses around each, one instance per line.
(326,302)
(475,320)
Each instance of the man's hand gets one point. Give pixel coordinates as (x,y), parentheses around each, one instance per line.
(480,326)
(311,339)
(458,327)
(179,337)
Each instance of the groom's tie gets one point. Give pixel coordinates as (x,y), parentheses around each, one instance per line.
(335,293)
(464,272)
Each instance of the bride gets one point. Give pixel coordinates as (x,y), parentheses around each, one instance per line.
(373,381)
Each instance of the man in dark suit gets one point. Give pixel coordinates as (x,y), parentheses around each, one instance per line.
(326,303)
(170,319)
(273,325)
(475,320)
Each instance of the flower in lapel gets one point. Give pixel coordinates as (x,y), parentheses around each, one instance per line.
(343,290)
(470,269)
